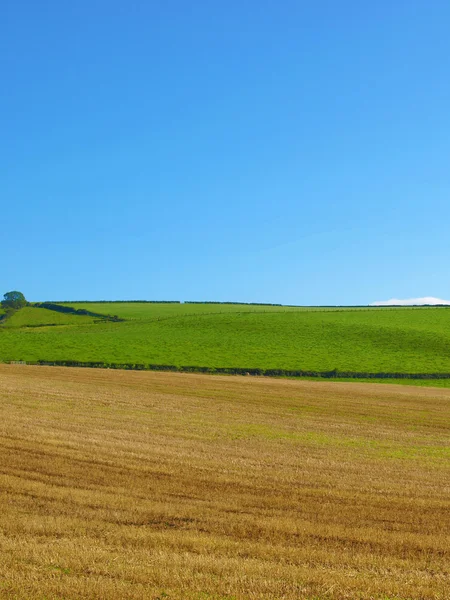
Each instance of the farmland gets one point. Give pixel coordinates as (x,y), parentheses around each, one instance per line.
(142,485)
(372,340)
(39,317)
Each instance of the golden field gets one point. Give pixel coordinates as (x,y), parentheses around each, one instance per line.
(141,485)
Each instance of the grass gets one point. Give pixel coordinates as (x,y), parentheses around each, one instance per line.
(30,316)
(370,340)
(138,485)
(144,311)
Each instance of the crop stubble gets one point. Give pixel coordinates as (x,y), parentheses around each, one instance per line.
(153,485)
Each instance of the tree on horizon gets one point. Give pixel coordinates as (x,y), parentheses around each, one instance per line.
(13,300)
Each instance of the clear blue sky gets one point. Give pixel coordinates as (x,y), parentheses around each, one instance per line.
(271,151)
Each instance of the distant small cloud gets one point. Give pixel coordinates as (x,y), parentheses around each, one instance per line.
(411,302)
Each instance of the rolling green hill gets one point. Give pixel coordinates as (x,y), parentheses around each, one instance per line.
(143,310)
(30,316)
(373,340)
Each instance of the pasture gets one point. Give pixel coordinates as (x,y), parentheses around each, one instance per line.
(143,485)
(30,316)
(401,340)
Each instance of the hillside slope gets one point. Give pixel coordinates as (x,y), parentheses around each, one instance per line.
(30,316)
(228,336)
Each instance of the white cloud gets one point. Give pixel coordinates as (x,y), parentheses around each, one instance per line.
(410,302)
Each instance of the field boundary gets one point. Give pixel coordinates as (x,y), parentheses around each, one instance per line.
(75,311)
(334,374)
(337,307)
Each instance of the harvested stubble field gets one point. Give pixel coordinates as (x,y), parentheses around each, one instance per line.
(143,485)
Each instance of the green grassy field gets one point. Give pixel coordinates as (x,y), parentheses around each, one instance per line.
(142,310)
(40,317)
(236,336)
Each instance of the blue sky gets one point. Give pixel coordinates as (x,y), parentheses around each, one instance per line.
(267,151)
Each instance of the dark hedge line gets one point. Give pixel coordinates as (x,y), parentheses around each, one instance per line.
(237,303)
(117,302)
(243,371)
(328,306)
(75,311)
